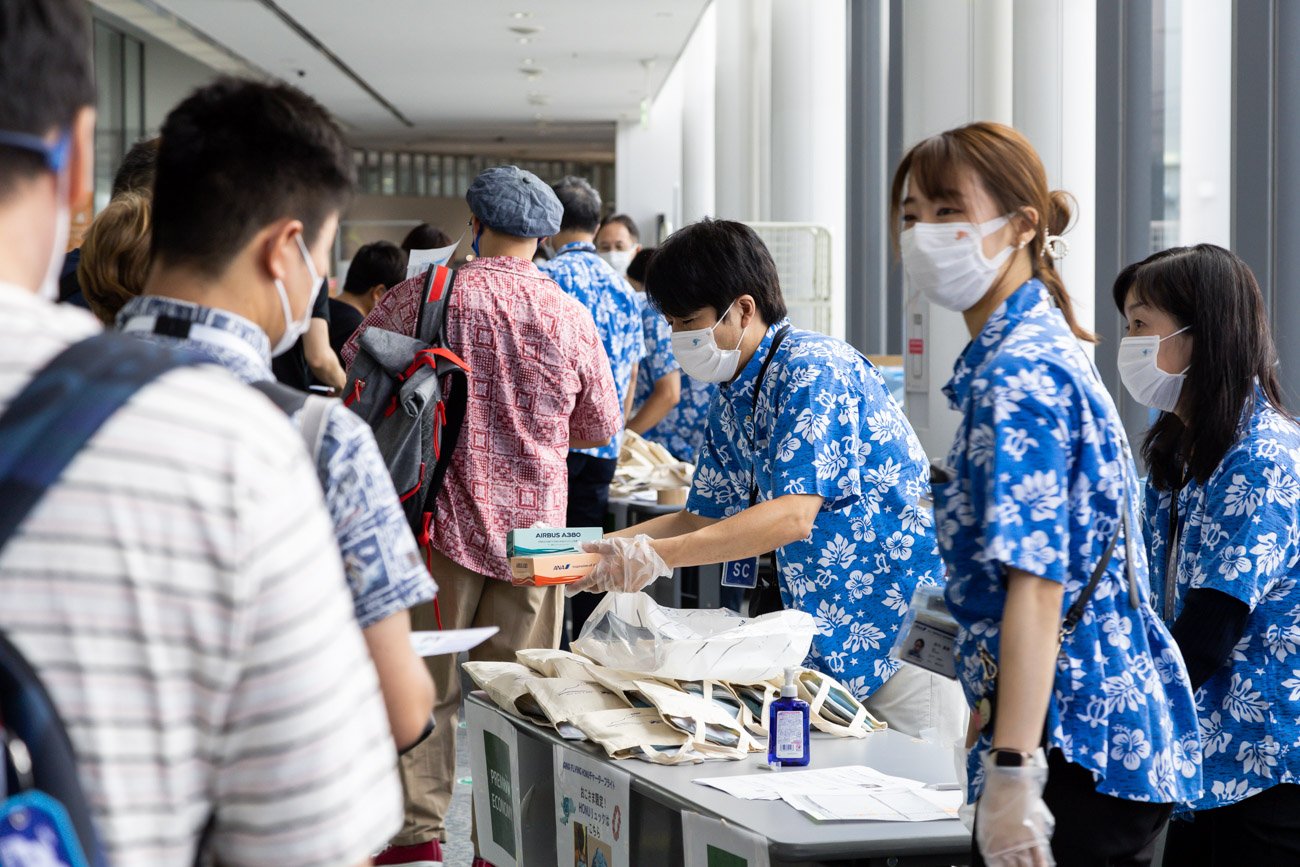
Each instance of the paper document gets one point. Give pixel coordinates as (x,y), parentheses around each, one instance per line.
(889,805)
(418,261)
(450,640)
(775,785)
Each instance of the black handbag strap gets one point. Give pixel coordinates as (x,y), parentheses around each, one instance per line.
(753,407)
(1075,614)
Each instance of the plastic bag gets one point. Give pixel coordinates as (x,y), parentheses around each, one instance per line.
(630,631)
(928,633)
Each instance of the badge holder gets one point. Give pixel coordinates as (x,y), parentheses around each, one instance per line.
(929,633)
(34,828)
(740,573)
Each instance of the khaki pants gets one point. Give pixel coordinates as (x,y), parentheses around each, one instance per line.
(527,616)
(914,700)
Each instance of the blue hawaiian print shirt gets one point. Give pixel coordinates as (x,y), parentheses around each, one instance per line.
(614,306)
(682,430)
(827,425)
(1240,534)
(380,557)
(1040,467)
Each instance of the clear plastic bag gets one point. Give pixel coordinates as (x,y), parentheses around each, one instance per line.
(630,631)
(928,633)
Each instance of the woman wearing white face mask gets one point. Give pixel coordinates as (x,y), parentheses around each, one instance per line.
(1223,517)
(806,454)
(1082,708)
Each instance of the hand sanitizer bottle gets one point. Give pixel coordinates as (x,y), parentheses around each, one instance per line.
(787,726)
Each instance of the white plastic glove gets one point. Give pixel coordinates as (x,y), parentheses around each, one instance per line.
(626,565)
(1013,825)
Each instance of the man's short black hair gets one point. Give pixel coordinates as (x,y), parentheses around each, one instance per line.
(710,264)
(235,157)
(425,237)
(379,263)
(45,76)
(626,222)
(136,173)
(636,269)
(581,204)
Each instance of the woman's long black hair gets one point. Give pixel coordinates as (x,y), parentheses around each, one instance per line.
(1214,292)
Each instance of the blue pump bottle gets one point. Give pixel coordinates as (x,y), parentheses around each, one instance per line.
(787,726)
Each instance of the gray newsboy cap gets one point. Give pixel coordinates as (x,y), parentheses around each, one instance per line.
(516,202)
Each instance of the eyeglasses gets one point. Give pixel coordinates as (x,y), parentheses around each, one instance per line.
(55,155)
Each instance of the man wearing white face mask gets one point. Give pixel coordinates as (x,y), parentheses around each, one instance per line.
(806,454)
(175,585)
(240,294)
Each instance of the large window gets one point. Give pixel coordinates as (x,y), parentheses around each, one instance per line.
(119,86)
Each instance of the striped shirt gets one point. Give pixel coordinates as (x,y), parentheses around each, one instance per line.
(180,592)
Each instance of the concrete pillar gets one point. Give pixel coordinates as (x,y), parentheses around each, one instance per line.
(743,108)
(1055,87)
(699,109)
(956,62)
(809,125)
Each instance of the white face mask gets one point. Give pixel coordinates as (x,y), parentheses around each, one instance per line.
(1149,385)
(295,328)
(700,356)
(618,260)
(945,262)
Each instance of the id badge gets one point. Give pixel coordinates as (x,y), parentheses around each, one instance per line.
(740,573)
(36,829)
(930,646)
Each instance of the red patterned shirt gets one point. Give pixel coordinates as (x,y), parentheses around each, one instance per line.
(538,376)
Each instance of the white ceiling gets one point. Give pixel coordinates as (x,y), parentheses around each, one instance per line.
(452,68)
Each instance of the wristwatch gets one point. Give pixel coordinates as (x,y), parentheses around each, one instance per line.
(1005,758)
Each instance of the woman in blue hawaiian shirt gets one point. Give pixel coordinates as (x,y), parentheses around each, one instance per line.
(1200,350)
(1083,708)
(806,454)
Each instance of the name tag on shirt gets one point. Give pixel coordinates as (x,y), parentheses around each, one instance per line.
(740,573)
(930,646)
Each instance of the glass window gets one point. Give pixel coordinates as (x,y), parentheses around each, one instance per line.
(388,173)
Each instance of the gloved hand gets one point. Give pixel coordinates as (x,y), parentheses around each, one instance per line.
(626,565)
(1013,825)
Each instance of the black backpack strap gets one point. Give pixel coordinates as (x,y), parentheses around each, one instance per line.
(41,432)
(315,411)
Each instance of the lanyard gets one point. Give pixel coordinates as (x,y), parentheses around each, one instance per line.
(753,411)
(1174,541)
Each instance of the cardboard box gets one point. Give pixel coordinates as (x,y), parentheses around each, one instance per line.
(549,540)
(545,570)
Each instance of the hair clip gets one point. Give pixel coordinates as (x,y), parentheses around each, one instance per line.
(1056,247)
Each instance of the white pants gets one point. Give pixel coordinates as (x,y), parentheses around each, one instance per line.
(914,700)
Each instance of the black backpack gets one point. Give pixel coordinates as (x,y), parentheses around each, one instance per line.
(413,392)
(41,432)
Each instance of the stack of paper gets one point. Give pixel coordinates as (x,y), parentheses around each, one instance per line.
(854,793)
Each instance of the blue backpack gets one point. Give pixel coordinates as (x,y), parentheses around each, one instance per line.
(44,815)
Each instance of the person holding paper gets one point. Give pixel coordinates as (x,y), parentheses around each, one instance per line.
(806,454)
(1084,713)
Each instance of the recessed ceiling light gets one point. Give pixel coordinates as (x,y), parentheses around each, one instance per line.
(521,15)
(527,61)
(524,40)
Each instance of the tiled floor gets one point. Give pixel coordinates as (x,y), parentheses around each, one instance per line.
(459,849)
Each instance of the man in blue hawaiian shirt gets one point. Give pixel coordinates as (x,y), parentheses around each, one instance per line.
(234,292)
(806,454)
(580,272)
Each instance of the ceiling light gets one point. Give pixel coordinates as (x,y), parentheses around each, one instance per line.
(527,61)
(519,16)
(525,30)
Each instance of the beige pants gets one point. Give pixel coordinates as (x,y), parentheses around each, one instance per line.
(914,700)
(527,616)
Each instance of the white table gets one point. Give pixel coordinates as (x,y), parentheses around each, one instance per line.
(660,793)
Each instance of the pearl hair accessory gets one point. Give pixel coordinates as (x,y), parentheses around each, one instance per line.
(1056,247)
